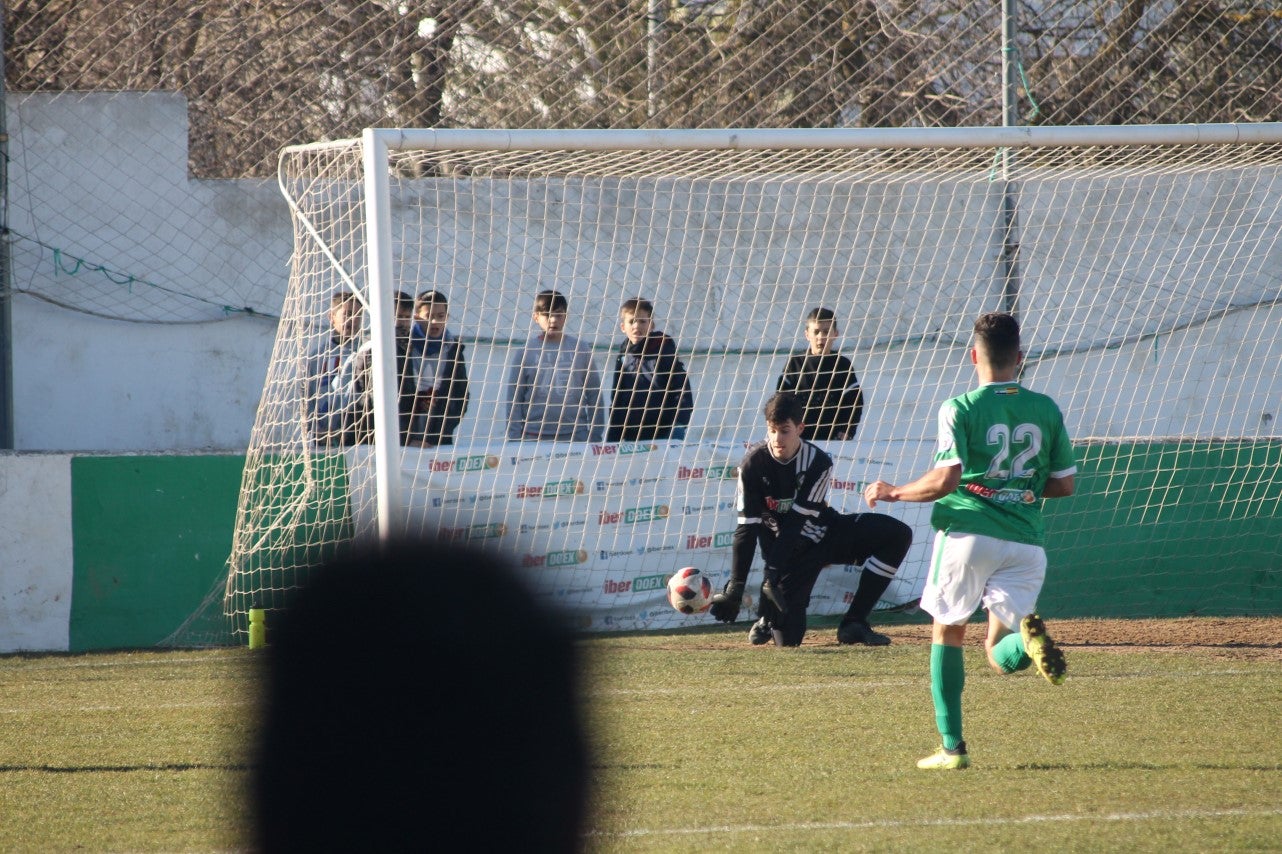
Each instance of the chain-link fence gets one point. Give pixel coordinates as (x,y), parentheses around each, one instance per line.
(259,75)
(126,118)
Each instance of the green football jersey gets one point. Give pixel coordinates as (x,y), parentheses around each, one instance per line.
(1009,441)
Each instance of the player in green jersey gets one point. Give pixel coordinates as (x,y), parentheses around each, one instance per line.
(1002,449)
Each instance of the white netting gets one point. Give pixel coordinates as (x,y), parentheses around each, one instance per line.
(1146,278)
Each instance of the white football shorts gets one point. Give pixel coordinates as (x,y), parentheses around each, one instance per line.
(970,570)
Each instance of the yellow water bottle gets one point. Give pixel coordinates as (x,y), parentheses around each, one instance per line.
(257,628)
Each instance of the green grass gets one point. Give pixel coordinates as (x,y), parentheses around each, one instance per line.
(705,742)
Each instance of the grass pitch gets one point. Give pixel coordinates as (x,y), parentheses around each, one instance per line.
(702,741)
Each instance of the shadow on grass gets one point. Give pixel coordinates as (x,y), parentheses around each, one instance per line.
(125,769)
(1144,766)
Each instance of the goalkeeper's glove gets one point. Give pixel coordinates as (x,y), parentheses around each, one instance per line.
(726,604)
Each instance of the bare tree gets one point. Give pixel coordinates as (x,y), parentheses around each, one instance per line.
(261,74)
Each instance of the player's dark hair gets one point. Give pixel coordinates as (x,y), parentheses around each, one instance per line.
(997,334)
(403,302)
(344,297)
(821,314)
(547,301)
(430,298)
(785,406)
(632,306)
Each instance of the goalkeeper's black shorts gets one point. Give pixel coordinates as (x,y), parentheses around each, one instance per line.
(842,539)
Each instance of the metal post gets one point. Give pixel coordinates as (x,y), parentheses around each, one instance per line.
(653,31)
(1010,190)
(382,319)
(6,291)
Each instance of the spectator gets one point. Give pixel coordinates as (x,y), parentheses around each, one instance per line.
(554,390)
(825,381)
(337,414)
(442,395)
(652,397)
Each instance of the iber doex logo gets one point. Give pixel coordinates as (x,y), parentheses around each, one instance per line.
(623,449)
(483,531)
(711,472)
(633,515)
(472,462)
(567,557)
(715,541)
(636,585)
(552,489)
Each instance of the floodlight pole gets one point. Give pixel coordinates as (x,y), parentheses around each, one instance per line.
(382,316)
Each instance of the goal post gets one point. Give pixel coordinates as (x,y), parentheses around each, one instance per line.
(1147,284)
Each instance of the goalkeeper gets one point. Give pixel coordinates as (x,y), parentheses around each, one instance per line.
(782,500)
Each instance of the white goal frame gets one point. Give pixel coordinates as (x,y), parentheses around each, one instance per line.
(1141,261)
(378,144)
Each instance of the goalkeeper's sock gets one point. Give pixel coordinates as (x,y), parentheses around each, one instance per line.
(871,586)
(947,678)
(1010,655)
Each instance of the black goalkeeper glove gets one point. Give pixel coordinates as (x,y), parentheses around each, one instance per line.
(726,604)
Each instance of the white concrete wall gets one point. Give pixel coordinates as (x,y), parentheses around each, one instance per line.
(35,552)
(105,363)
(157,364)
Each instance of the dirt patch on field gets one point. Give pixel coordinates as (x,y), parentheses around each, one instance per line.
(1256,638)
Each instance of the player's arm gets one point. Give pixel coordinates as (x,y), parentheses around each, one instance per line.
(788,379)
(517,392)
(726,604)
(595,411)
(1063,467)
(852,410)
(932,485)
(1059,487)
(749,503)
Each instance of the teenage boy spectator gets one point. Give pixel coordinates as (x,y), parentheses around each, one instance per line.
(652,398)
(442,395)
(825,381)
(1002,449)
(782,501)
(406,371)
(553,389)
(407,363)
(337,413)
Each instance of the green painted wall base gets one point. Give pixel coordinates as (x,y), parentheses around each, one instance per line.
(1155,530)
(1168,530)
(150,537)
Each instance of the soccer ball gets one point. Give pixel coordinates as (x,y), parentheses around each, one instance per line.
(690,591)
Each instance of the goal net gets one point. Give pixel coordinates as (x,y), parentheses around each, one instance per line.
(1144,264)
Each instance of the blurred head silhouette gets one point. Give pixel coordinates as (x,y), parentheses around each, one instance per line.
(417,698)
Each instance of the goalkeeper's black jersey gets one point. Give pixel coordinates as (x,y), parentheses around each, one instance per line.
(775,499)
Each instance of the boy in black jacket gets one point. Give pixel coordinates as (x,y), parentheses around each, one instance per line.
(652,397)
(441,372)
(825,381)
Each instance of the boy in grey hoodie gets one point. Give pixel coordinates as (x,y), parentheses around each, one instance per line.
(553,389)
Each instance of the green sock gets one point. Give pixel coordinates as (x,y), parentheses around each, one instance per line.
(947,678)
(1009,653)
